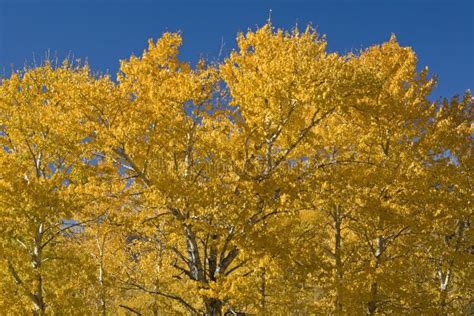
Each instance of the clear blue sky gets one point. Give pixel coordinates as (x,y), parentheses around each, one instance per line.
(104,31)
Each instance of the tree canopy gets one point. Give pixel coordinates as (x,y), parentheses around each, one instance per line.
(284,179)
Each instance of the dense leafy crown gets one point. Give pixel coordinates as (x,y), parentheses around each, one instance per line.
(285,179)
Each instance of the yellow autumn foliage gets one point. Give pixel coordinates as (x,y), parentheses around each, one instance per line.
(284,180)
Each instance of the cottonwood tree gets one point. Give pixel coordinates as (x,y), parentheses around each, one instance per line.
(43,135)
(283,180)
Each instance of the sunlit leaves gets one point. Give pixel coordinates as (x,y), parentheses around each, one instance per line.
(284,179)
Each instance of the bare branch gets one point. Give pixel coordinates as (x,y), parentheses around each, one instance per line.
(130,309)
(56,234)
(170,296)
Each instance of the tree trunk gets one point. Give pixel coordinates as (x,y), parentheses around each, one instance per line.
(338,261)
(444,279)
(100,277)
(372,304)
(213,307)
(263,294)
(194,259)
(36,260)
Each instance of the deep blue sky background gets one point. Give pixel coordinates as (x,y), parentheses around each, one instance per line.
(104,31)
